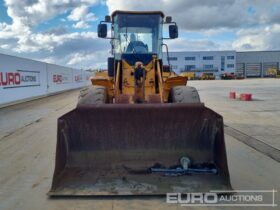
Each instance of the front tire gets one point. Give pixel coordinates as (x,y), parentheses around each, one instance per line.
(93,95)
(184,94)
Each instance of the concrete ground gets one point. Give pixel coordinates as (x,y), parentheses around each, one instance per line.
(259,118)
(28,140)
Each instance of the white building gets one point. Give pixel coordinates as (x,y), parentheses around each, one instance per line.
(216,62)
(248,64)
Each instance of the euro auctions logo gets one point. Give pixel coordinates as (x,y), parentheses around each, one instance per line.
(78,78)
(19,78)
(192,198)
(237,198)
(60,79)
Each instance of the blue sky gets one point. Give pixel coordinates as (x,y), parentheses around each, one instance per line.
(61,20)
(65,32)
(3,11)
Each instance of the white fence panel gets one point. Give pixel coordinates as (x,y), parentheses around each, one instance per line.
(59,78)
(21,79)
(78,78)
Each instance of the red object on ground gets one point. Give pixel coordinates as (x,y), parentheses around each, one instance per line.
(232,95)
(246,97)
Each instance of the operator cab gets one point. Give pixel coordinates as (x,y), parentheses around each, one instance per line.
(137,36)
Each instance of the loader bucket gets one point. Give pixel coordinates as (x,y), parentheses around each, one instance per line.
(109,149)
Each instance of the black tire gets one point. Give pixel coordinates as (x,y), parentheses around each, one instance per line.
(184,94)
(93,95)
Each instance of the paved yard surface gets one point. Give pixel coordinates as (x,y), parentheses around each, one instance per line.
(28,140)
(259,118)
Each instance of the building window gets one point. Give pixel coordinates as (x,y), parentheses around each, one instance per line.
(210,66)
(231,57)
(173,58)
(189,67)
(230,65)
(190,58)
(222,63)
(207,58)
(174,66)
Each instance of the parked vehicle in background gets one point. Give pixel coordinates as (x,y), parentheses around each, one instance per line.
(228,76)
(274,73)
(207,76)
(189,75)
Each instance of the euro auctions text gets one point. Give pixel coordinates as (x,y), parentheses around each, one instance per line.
(19,78)
(224,198)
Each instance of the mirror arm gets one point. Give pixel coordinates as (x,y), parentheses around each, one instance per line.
(171,23)
(103,21)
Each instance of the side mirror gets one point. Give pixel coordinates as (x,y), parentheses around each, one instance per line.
(173,31)
(102,30)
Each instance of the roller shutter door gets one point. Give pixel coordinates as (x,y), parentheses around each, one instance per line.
(240,69)
(253,69)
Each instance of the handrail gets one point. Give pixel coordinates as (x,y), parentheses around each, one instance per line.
(160,81)
(117,83)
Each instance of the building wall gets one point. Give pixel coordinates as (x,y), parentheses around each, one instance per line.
(257,63)
(217,62)
(248,64)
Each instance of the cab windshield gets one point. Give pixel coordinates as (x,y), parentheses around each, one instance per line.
(137,33)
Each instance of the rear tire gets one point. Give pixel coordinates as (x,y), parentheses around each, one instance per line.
(93,95)
(184,94)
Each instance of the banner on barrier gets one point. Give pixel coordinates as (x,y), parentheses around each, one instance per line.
(25,79)
(61,78)
(19,78)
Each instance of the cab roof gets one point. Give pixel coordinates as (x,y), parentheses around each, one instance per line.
(137,13)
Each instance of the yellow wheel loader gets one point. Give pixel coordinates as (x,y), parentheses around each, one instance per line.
(133,133)
(273,72)
(188,74)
